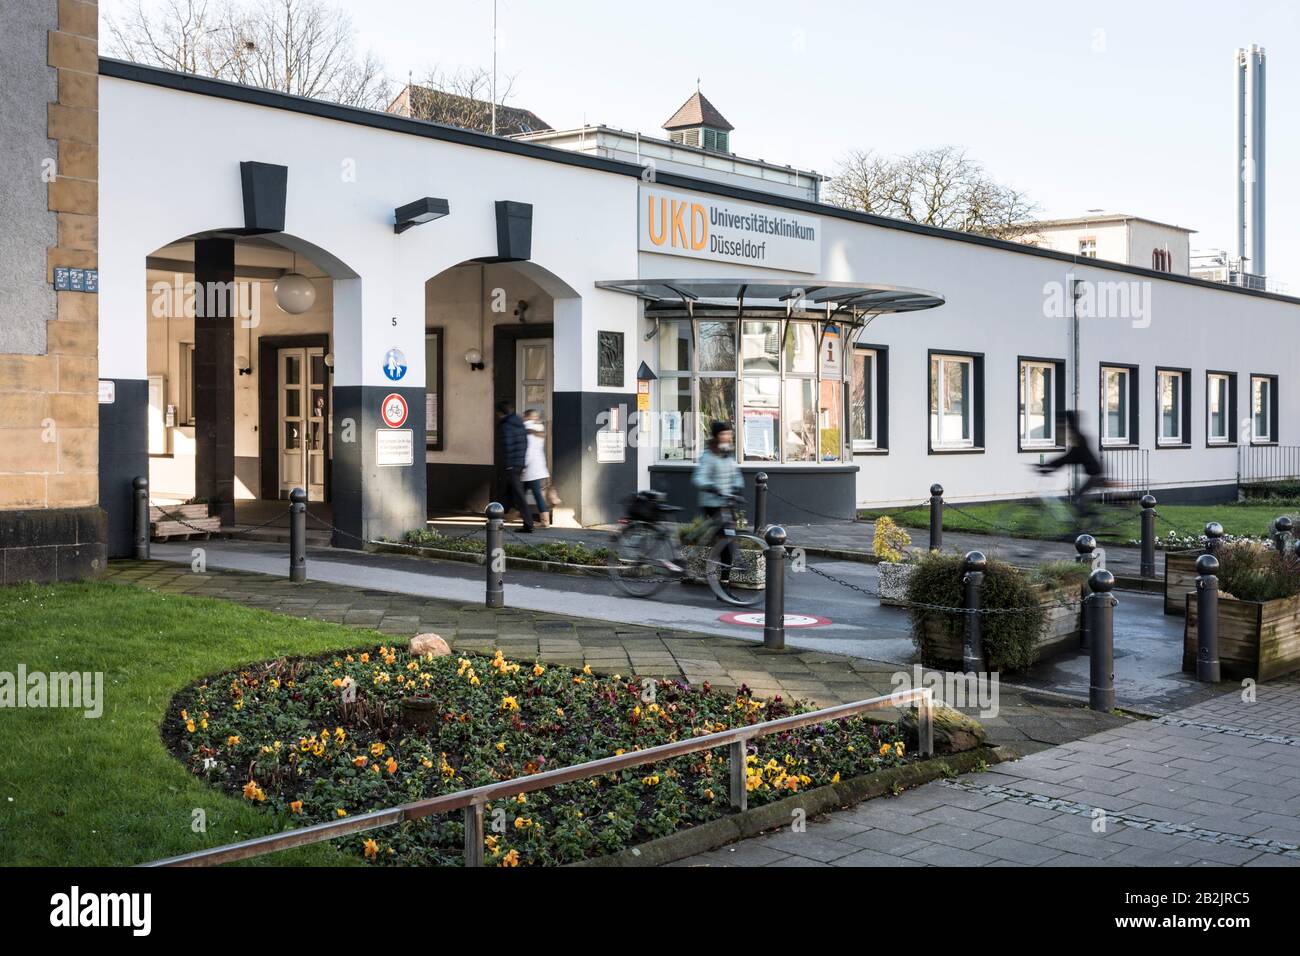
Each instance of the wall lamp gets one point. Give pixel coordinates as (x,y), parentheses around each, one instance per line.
(474,359)
(422,210)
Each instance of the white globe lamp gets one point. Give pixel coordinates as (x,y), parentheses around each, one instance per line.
(294,293)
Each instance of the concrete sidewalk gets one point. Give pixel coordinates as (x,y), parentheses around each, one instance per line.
(1216,784)
(1026,720)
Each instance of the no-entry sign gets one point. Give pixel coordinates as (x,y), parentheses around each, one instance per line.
(394,411)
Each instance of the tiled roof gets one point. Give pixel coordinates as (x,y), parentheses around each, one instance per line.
(698,111)
(424,102)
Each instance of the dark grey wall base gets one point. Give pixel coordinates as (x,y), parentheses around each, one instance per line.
(372,501)
(55,544)
(123,456)
(461,487)
(597,490)
(795,495)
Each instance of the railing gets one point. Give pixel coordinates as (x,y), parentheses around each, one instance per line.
(1263,463)
(1128,473)
(472,802)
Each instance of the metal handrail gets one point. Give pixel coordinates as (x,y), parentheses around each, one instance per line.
(472,801)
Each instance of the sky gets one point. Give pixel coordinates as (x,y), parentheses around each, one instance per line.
(1122,106)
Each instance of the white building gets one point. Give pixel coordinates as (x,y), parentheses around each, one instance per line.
(451,269)
(1118,237)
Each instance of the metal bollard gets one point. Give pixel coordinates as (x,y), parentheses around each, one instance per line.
(1213,537)
(1282,528)
(774,584)
(495,555)
(1148,567)
(1086,546)
(141,496)
(974,566)
(936,517)
(760,501)
(1100,609)
(1207,618)
(297,536)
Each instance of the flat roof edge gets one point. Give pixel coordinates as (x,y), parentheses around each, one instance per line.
(375,119)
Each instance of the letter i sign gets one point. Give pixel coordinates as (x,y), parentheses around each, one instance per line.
(394,411)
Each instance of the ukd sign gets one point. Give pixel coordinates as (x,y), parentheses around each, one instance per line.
(701,227)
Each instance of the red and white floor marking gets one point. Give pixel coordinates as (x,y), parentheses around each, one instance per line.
(756,619)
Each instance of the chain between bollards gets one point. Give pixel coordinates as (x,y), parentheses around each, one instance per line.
(774,589)
(1099,612)
(141,530)
(936,517)
(494,555)
(1148,566)
(973,566)
(297,536)
(760,501)
(1207,619)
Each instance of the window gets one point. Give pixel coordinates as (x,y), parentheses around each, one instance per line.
(1263,409)
(1162,260)
(869,399)
(187,396)
(1220,408)
(1042,395)
(715,139)
(1088,247)
(433,389)
(953,394)
(1173,409)
(780,380)
(1119,411)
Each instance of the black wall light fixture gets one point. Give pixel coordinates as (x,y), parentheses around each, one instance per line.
(422,210)
(265,186)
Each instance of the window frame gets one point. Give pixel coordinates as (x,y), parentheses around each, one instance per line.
(1057,442)
(1184,438)
(1132,438)
(1273,408)
(879,443)
(1091,251)
(185,394)
(976,444)
(1230,440)
(440,356)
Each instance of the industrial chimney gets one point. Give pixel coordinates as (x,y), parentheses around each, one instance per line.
(1250,160)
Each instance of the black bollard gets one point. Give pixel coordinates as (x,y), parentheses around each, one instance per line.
(1213,537)
(1101,613)
(1282,528)
(1148,567)
(760,501)
(495,555)
(297,536)
(141,499)
(973,567)
(774,584)
(1207,619)
(936,517)
(1086,546)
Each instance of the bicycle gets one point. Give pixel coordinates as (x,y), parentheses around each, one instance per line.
(646,552)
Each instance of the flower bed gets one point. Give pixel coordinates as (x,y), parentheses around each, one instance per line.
(321,739)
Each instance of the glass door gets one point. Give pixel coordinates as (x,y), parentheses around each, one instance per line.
(302,409)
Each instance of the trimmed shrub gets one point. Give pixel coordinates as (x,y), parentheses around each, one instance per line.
(1009,639)
(1253,571)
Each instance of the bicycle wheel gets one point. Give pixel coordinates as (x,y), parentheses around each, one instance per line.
(640,559)
(735,569)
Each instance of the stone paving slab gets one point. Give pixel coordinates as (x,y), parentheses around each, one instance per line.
(1215,784)
(1027,721)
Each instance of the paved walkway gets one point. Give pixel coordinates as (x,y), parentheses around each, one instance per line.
(1216,784)
(1026,720)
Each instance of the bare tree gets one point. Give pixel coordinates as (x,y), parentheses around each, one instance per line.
(295,46)
(938,187)
(461,98)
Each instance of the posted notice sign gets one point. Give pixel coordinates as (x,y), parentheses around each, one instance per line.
(394,447)
(720,230)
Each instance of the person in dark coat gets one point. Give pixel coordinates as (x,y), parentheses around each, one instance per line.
(1080,454)
(514,449)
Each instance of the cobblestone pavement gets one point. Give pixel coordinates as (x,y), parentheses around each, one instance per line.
(1215,784)
(1027,721)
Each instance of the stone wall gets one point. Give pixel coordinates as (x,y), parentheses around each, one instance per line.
(49,414)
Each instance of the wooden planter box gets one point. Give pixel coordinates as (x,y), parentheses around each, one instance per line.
(181,521)
(1061,633)
(1180,579)
(1257,639)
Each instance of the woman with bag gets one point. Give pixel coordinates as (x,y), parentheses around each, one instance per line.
(535,471)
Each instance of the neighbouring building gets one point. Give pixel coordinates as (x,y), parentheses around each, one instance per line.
(1118,237)
(51,523)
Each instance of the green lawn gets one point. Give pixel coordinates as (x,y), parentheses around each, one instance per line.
(104,791)
(1113,525)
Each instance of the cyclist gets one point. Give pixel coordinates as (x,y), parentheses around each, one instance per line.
(718,480)
(1078,453)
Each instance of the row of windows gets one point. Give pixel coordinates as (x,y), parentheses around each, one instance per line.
(796,398)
